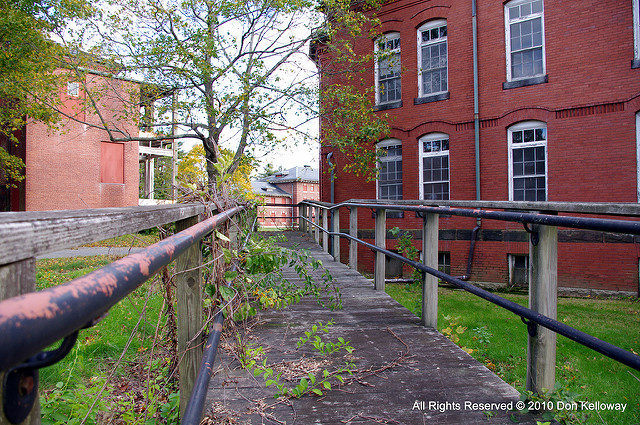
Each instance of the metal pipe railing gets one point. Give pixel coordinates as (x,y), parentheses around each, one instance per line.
(589,223)
(195,406)
(603,347)
(29,323)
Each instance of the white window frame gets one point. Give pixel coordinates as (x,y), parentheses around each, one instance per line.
(73,89)
(527,125)
(383,144)
(636,29)
(376,49)
(422,154)
(507,29)
(427,26)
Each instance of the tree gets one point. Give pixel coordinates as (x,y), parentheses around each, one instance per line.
(28,61)
(227,73)
(269,170)
(192,172)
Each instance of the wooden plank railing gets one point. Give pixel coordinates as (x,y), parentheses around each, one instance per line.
(24,236)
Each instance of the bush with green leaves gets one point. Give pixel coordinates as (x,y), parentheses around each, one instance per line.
(259,282)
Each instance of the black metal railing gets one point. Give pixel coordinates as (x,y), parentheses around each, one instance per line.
(529,316)
(29,323)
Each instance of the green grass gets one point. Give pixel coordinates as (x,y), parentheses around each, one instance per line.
(498,339)
(135,240)
(100,346)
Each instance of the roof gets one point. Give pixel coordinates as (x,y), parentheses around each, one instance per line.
(267,189)
(295,174)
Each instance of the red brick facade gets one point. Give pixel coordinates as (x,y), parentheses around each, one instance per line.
(286,187)
(71,167)
(587,98)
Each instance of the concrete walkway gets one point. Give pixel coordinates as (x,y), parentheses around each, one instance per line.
(405,374)
(90,252)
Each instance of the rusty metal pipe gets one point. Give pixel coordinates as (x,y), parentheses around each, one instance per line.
(31,322)
(195,406)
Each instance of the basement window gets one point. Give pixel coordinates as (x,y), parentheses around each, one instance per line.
(518,269)
(444,262)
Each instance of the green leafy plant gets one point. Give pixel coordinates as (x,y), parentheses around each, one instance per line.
(324,347)
(404,244)
(560,405)
(312,383)
(259,282)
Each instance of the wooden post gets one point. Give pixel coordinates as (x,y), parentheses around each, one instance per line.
(325,226)
(16,279)
(302,225)
(336,239)
(189,314)
(381,241)
(543,298)
(316,233)
(430,259)
(353,231)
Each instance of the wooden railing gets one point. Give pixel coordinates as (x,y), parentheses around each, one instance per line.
(25,236)
(540,220)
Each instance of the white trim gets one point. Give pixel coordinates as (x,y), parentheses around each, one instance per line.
(636,29)
(638,154)
(382,144)
(73,89)
(507,37)
(420,44)
(527,125)
(422,155)
(376,51)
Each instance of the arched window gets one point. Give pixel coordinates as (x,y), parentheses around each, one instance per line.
(524,28)
(390,170)
(528,161)
(387,72)
(433,61)
(434,166)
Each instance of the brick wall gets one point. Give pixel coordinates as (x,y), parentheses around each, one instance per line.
(63,164)
(588,104)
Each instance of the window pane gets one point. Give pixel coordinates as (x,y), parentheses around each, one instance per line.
(528,136)
(517,137)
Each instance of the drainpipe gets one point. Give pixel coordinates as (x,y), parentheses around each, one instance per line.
(476,127)
(332,198)
(331,166)
(476,108)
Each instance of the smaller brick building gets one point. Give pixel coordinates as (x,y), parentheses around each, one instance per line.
(285,187)
(75,165)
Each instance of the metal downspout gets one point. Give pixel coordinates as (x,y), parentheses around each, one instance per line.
(476,129)
(476,108)
(332,197)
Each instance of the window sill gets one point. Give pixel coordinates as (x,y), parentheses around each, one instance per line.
(635,63)
(431,98)
(386,106)
(525,82)
(390,214)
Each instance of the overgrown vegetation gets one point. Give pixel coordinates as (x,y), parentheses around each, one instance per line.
(124,369)
(498,339)
(118,371)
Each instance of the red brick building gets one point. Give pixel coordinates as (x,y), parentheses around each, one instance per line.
(74,166)
(558,101)
(286,187)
